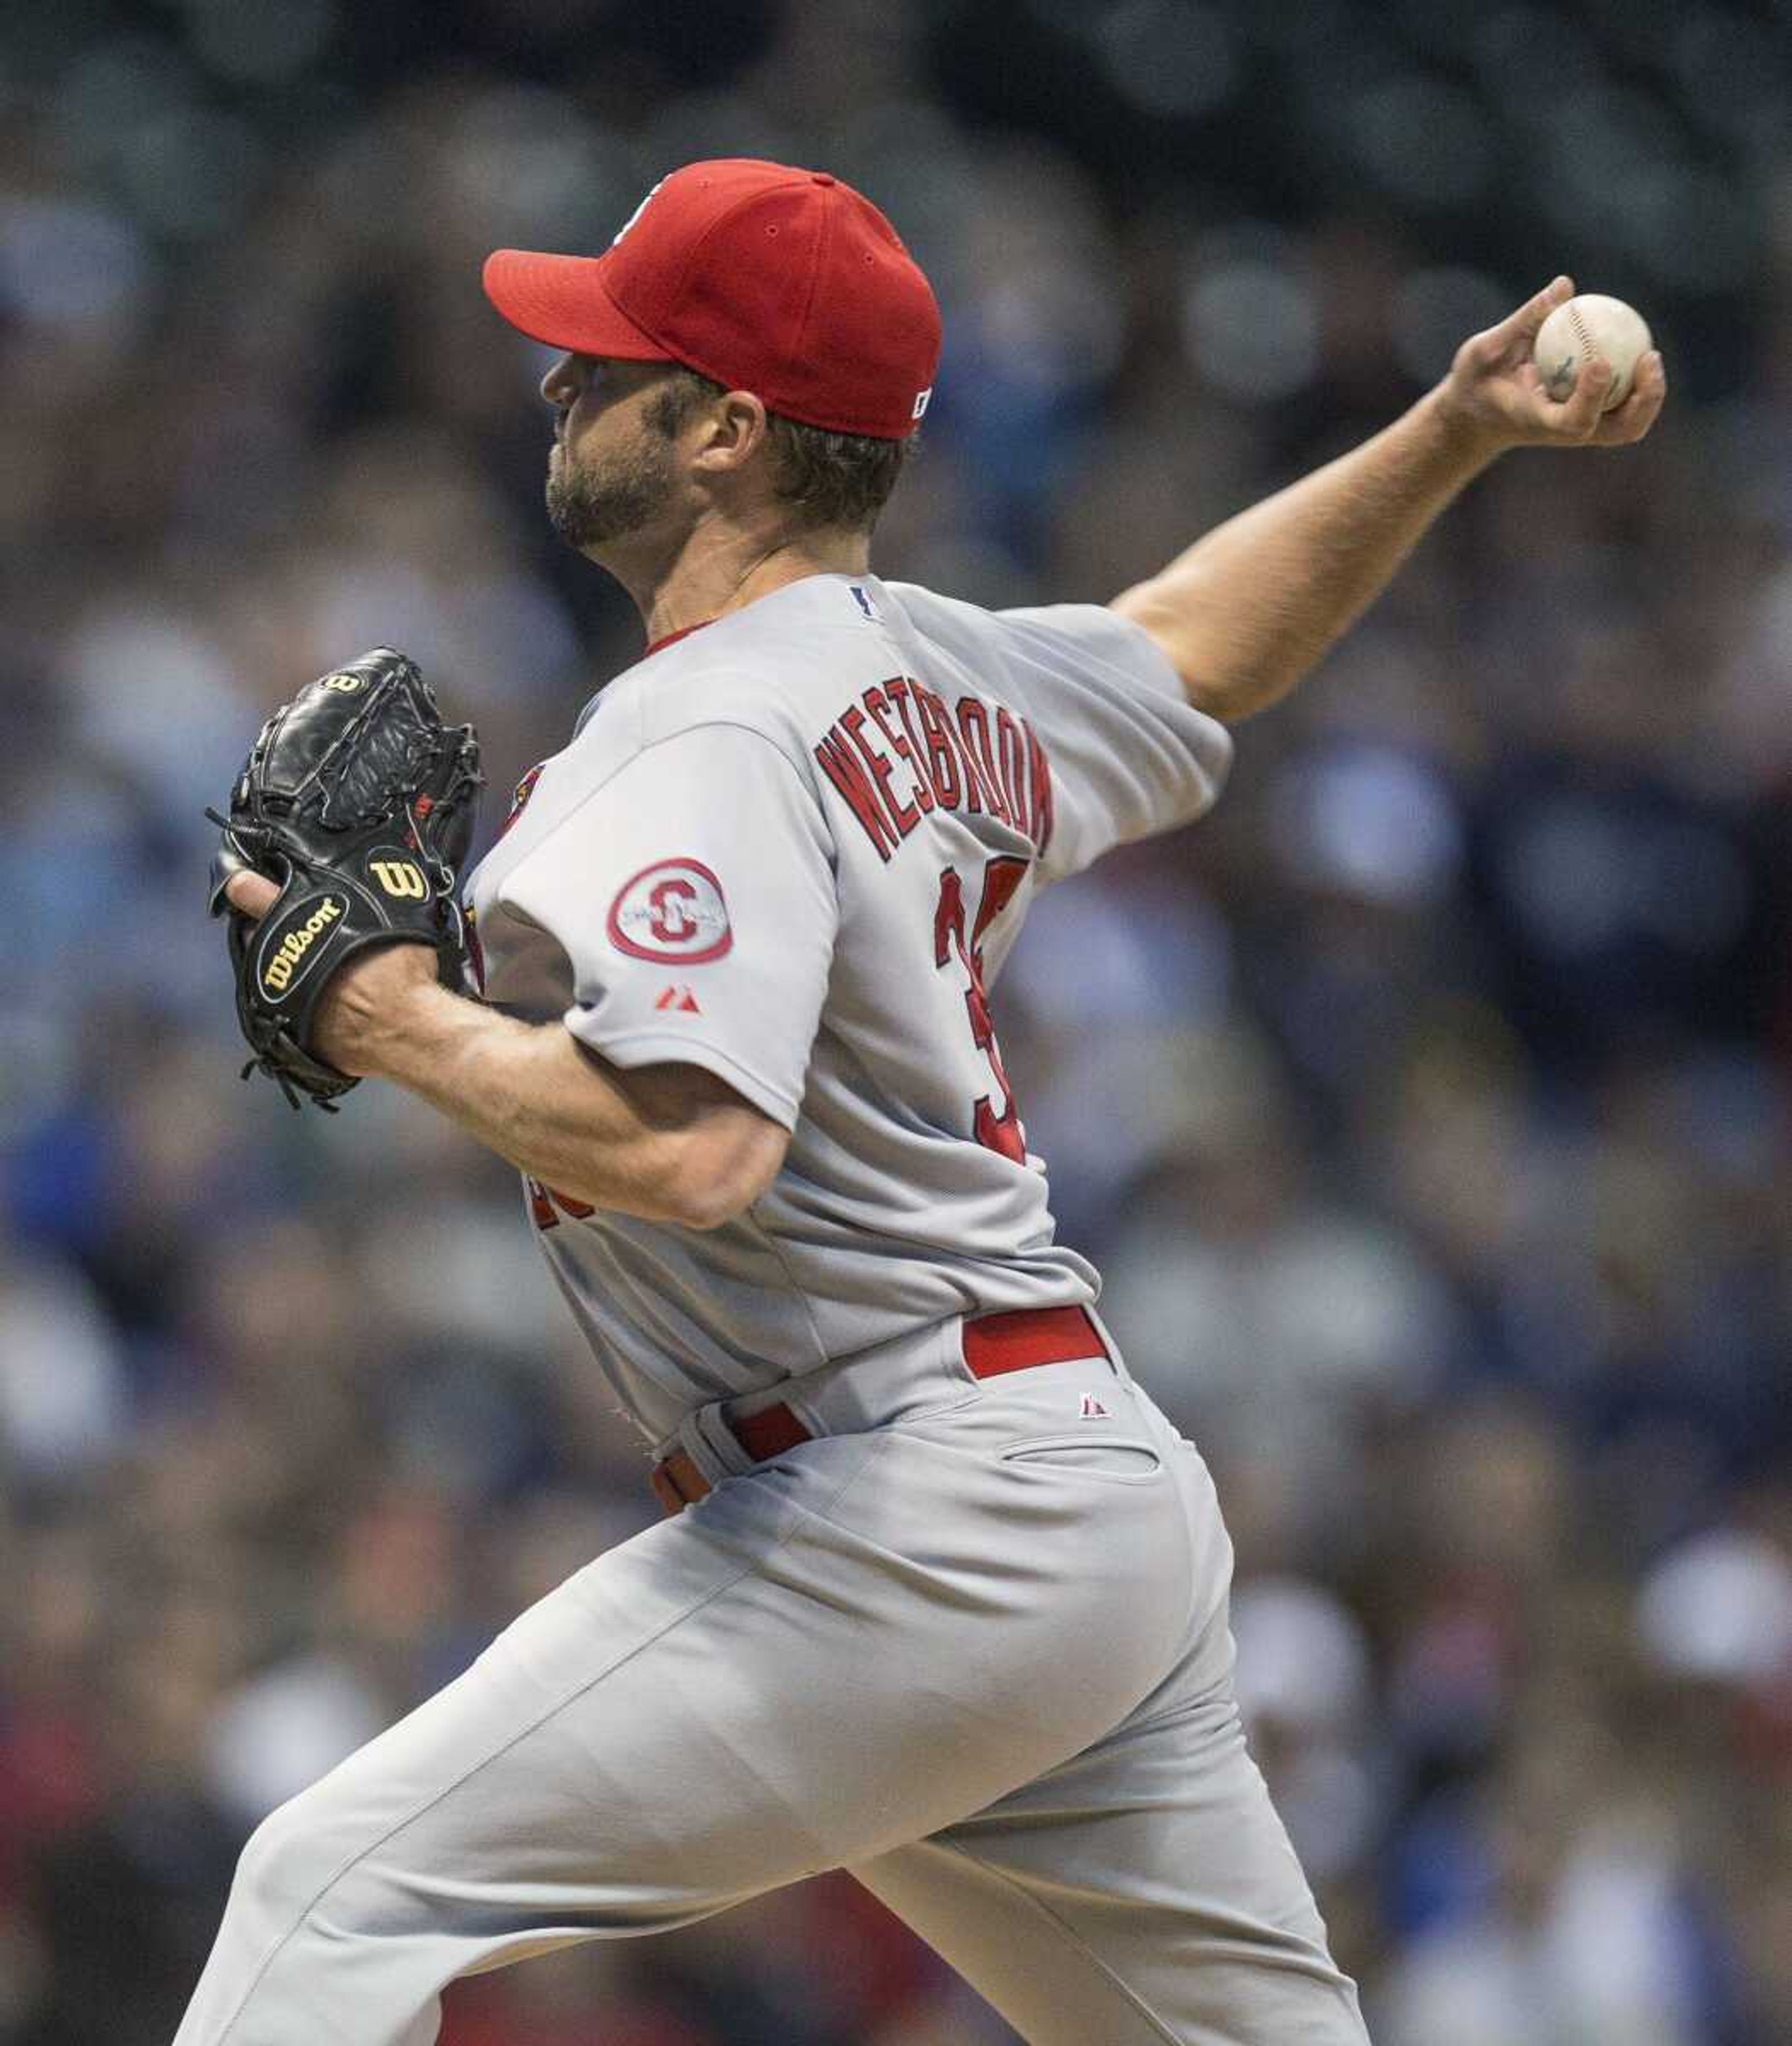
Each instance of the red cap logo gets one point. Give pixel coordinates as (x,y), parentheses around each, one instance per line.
(782,281)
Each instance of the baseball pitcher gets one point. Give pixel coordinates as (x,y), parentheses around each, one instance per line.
(939,1596)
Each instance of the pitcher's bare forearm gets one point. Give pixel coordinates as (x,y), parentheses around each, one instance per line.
(665,1143)
(1250,608)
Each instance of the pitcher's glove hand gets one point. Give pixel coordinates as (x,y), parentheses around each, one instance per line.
(358,803)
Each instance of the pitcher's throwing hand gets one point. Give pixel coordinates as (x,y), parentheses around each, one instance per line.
(1494,387)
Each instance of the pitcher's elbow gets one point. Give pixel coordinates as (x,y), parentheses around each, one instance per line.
(723,1167)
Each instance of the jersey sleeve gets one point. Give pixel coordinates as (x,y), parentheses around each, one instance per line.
(693,895)
(1130,755)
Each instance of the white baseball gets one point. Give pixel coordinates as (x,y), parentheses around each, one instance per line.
(1585,326)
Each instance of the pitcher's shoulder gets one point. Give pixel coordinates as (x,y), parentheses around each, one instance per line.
(762,697)
(778,667)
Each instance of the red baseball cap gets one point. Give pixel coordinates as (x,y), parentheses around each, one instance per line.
(782,281)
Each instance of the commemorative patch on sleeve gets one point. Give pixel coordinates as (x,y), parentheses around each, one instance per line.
(673,911)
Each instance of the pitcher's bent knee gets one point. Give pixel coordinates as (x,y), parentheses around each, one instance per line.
(320,1938)
(288,1861)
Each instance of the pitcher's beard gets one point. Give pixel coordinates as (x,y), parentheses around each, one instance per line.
(589,509)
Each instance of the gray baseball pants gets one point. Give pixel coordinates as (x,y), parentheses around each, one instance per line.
(969,1643)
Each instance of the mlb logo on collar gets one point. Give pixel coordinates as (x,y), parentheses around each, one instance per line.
(862,598)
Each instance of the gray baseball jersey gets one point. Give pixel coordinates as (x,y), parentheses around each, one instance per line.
(794,847)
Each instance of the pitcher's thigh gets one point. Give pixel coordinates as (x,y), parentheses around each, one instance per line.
(758,1690)
(1144,1892)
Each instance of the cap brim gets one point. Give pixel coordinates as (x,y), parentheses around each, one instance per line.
(563,301)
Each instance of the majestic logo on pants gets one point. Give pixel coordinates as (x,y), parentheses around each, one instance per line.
(672,910)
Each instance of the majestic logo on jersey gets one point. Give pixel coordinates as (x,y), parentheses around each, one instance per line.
(672,910)
(288,959)
(901,750)
(680,997)
(520,795)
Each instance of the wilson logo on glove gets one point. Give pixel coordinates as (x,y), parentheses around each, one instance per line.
(288,956)
(402,878)
(672,910)
(357,803)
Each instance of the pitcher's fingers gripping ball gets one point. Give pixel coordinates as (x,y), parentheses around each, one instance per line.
(1591,328)
(1518,385)
(358,803)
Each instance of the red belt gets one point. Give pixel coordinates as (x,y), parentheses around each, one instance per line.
(993,1344)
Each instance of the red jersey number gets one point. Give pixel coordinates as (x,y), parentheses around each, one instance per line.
(996,1131)
(548,1206)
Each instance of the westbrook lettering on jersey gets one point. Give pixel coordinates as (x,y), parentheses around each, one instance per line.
(902,750)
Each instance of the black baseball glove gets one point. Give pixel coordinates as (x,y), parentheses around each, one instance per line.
(359,803)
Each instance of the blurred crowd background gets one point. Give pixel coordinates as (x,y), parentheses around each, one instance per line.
(1427,1107)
